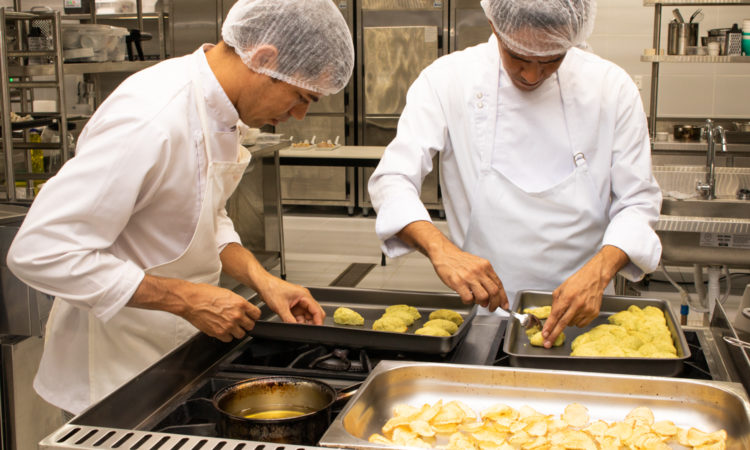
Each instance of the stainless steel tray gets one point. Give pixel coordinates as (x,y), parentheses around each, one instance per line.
(522,354)
(371,305)
(706,405)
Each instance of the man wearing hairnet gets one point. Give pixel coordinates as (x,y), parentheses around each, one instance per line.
(545,166)
(132,234)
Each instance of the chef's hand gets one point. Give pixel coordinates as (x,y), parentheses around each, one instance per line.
(578,299)
(220,313)
(216,311)
(472,277)
(293,303)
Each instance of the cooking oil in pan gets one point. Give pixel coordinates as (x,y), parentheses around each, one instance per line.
(273,413)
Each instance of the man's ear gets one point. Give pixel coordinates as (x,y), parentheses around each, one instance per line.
(265,56)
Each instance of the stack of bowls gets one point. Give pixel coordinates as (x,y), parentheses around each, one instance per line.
(746,37)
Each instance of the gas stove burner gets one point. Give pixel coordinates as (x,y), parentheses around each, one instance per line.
(338,361)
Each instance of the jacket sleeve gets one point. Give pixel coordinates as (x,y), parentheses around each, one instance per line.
(225,232)
(396,184)
(635,196)
(64,246)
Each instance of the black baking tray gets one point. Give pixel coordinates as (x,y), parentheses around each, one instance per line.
(522,354)
(371,304)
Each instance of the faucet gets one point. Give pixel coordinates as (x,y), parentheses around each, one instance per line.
(708,188)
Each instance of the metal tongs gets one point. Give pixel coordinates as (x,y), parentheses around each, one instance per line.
(526,320)
(736,342)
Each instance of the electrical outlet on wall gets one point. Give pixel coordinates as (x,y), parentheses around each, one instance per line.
(638,79)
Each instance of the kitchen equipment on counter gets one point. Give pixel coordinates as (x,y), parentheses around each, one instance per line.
(283,409)
(704,405)
(690,133)
(522,354)
(737,342)
(719,35)
(678,15)
(697,16)
(733,41)
(168,406)
(741,321)
(370,304)
(680,36)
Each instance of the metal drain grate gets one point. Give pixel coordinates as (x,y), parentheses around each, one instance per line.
(352,275)
(81,437)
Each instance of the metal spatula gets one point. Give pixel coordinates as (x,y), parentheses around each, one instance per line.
(526,320)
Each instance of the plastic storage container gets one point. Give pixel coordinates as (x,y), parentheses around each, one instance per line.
(94,43)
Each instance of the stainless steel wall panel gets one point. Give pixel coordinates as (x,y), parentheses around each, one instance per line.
(393,58)
(472,28)
(330,104)
(380,131)
(313,183)
(194,22)
(401,4)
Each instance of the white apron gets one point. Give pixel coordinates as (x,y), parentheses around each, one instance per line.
(535,240)
(136,338)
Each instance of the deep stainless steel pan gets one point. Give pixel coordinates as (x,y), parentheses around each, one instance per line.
(523,354)
(371,305)
(705,405)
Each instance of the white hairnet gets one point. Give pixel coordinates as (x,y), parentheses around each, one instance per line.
(314,45)
(541,27)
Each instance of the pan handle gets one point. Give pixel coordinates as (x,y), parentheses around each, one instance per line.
(344,394)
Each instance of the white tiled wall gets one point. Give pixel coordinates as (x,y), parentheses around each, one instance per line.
(624,28)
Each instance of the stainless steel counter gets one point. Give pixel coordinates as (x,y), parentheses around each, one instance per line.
(124,418)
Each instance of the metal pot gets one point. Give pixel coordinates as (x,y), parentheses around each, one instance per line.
(282,409)
(687,133)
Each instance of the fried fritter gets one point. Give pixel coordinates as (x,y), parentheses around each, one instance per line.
(404,315)
(346,316)
(446,325)
(635,332)
(410,309)
(432,331)
(541,312)
(389,323)
(538,341)
(447,314)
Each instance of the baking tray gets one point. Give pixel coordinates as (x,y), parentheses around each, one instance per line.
(371,304)
(706,405)
(522,354)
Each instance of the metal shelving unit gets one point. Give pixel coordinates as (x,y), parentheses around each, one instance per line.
(18,89)
(657,58)
(92,71)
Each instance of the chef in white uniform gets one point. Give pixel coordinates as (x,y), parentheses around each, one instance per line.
(132,234)
(545,166)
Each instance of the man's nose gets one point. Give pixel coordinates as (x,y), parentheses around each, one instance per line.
(532,72)
(299,111)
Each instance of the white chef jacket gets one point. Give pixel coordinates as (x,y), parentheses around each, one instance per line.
(129,200)
(448,111)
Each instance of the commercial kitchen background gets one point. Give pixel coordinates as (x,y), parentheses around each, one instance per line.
(332,231)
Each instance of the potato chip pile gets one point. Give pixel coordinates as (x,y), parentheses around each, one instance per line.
(454,425)
(634,333)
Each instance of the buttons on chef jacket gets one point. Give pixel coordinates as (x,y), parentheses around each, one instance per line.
(479,96)
(480,105)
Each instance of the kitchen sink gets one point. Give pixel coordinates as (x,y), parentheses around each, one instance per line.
(707,232)
(703,209)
